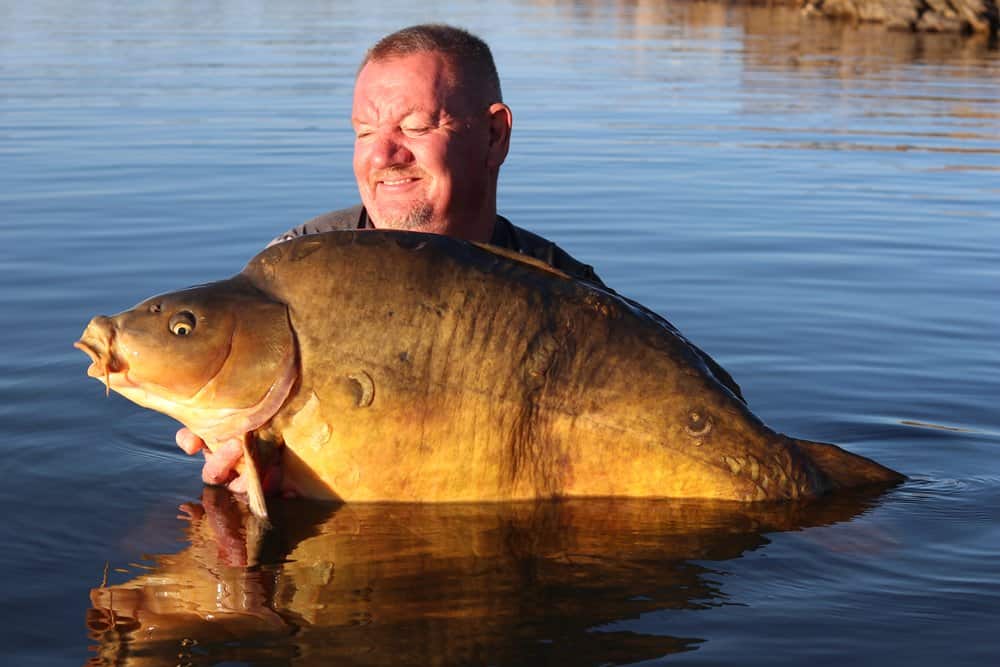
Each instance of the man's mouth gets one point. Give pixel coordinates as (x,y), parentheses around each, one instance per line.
(397,181)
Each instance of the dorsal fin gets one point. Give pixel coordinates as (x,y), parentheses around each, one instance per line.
(521,257)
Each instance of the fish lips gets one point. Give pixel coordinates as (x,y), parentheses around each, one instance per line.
(97,342)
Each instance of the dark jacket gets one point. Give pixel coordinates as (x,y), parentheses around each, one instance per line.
(505,234)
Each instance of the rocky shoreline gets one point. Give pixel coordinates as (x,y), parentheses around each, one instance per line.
(961,16)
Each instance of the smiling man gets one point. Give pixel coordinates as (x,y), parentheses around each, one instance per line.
(428,145)
(431,131)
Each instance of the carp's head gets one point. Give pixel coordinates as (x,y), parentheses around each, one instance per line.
(220,358)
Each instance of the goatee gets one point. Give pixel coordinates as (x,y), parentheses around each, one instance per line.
(414,220)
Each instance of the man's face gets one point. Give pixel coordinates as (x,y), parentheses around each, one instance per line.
(422,154)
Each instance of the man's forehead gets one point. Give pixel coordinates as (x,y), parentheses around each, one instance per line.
(414,83)
(428,69)
(375,109)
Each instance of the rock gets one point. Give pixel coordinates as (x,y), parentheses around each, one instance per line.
(956,16)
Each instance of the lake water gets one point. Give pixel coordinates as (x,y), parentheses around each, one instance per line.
(817,205)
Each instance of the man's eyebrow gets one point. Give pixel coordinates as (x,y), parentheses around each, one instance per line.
(440,116)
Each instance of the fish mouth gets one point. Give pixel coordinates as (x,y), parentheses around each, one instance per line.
(97,365)
(97,342)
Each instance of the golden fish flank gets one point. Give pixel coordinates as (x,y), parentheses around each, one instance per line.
(459,373)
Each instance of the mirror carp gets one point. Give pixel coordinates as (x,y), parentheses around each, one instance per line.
(401,366)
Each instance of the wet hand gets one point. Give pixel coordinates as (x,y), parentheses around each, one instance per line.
(220,464)
(219,469)
(189,442)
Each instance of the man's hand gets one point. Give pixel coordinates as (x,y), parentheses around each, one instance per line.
(219,464)
(189,442)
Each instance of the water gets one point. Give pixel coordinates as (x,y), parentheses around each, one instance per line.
(816,205)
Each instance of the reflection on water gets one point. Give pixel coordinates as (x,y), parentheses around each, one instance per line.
(771,28)
(434,584)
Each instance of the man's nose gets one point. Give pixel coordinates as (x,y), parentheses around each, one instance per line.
(389,151)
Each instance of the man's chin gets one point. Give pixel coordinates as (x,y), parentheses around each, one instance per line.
(417,218)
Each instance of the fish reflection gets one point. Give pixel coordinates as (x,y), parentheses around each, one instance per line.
(455,584)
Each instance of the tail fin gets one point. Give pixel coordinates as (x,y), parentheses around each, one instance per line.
(846,470)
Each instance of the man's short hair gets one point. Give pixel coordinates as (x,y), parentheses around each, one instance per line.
(468,55)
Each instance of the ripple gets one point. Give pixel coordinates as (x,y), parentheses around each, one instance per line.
(964,501)
(951,485)
(146,440)
(939,427)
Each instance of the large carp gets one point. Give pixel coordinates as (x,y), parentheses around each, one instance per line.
(385,365)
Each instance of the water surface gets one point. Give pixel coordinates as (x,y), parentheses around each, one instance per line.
(816,205)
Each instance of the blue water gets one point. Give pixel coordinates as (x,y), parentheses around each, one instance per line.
(817,205)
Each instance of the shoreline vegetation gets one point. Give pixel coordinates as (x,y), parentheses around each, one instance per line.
(948,16)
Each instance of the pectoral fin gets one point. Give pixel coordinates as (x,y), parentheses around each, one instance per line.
(251,471)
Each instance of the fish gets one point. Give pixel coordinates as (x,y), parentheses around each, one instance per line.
(379,365)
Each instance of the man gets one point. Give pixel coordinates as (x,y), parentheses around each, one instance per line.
(431,131)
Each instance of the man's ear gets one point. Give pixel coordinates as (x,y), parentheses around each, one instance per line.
(501,120)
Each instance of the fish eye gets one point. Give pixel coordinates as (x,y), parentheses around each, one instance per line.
(182,323)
